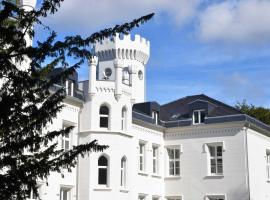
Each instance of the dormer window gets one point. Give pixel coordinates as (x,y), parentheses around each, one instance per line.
(199,116)
(155,116)
(70,87)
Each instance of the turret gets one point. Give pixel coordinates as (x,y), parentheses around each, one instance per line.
(122,61)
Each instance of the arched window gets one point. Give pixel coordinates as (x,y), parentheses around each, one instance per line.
(102,170)
(124,119)
(104,117)
(123,172)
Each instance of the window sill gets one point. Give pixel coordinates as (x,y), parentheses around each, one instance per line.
(100,188)
(156,176)
(124,190)
(214,176)
(143,173)
(172,177)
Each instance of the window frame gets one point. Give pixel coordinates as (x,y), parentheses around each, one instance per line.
(155,159)
(142,157)
(107,116)
(70,87)
(124,119)
(68,139)
(123,172)
(215,157)
(199,116)
(103,167)
(267,157)
(174,160)
(68,190)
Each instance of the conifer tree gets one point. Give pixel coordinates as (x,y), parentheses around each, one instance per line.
(29,152)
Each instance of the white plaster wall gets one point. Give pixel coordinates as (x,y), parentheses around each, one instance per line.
(194,182)
(69,115)
(257,146)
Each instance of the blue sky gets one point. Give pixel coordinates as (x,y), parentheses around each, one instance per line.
(219,48)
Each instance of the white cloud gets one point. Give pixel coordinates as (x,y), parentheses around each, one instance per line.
(93,14)
(238,21)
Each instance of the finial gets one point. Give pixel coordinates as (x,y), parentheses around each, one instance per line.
(93,60)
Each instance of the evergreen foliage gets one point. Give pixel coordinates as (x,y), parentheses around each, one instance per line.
(28,151)
(260,113)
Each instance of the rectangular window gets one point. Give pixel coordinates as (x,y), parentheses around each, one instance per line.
(155,159)
(66,140)
(174,161)
(65,193)
(155,116)
(70,87)
(268,165)
(141,156)
(215,159)
(199,116)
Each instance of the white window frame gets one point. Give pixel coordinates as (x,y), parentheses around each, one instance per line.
(124,119)
(65,139)
(104,116)
(71,89)
(268,165)
(155,156)
(123,178)
(155,116)
(107,171)
(199,116)
(142,157)
(174,160)
(66,189)
(215,157)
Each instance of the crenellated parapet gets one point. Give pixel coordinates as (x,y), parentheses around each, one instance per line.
(124,48)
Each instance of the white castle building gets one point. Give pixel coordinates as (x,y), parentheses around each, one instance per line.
(194,148)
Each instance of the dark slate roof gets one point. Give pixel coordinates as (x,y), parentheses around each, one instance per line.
(179,113)
(180,109)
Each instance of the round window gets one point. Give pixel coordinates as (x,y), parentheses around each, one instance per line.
(107,72)
(140,75)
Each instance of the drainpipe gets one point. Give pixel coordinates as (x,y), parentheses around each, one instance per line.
(247,161)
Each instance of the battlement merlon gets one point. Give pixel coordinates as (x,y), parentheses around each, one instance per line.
(123,48)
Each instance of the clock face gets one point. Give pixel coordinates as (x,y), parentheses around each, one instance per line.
(107,72)
(140,75)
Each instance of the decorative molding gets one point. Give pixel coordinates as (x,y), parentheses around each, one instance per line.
(199,132)
(146,130)
(71,108)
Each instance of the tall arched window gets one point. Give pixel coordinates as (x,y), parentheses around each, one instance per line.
(104,117)
(124,119)
(102,170)
(123,172)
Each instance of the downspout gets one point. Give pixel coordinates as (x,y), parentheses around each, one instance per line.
(247,161)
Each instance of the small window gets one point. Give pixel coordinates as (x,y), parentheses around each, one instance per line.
(141,156)
(155,159)
(104,117)
(268,165)
(123,172)
(124,119)
(70,87)
(65,193)
(155,116)
(66,140)
(102,170)
(215,159)
(199,116)
(174,161)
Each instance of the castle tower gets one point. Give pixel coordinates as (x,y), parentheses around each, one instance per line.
(116,79)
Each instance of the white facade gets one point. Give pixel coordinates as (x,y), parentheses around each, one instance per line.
(149,161)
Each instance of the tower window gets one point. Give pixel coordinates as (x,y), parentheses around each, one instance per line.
(199,116)
(155,116)
(123,171)
(104,117)
(102,170)
(124,119)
